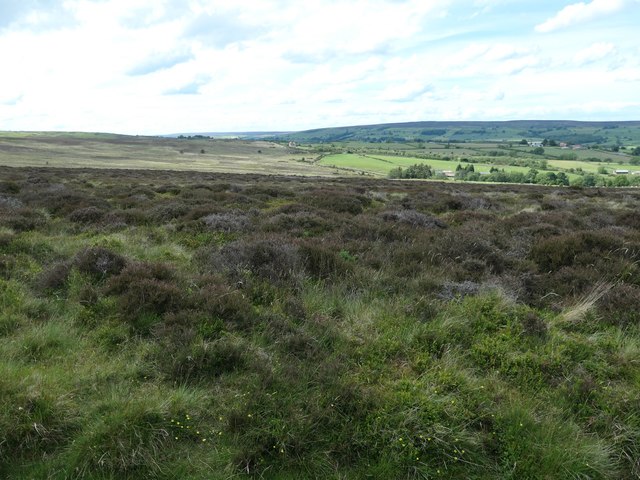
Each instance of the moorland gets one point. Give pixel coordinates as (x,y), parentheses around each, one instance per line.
(179,311)
(205,325)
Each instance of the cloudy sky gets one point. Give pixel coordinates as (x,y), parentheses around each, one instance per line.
(164,66)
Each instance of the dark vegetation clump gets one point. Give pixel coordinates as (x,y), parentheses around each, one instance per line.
(272,259)
(194,325)
(413,218)
(146,288)
(87,215)
(233,221)
(620,306)
(99,262)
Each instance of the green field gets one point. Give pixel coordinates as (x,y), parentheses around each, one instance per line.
(382,164)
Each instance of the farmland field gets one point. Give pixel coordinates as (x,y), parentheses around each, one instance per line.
(382,164)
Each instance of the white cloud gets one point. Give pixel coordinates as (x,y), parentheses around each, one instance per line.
(595,52)
(143,66)
(579,13)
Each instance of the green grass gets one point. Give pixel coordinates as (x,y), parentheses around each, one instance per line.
(382,164)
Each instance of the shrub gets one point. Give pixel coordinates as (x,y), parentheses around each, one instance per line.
(565,250)
(9,187)
(145,292)
(87,215)
(23,219)
(269,259)
(227,221)
(220,302)
(99,262)
(54,278)
(164,212)
(10,203)
(533,325)
(297,224)
(413,218)
(458,290)
(208,360)
(322,262)
(621,305)
(149,295)
(338,202)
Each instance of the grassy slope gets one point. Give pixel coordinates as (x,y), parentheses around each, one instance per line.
(610,133)
(201,326)
(85,150)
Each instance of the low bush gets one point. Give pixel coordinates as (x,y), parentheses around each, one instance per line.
(87,215)
(167,211)
(338,202)
(413,218)
(566,250)
(54,278)
(23,219)
(205,361)
(270,259)
(99,262)
(323,262)
(621,306)
(146,291)
(227,221)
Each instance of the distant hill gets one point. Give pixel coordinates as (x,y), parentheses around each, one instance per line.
(238,135)
(589,133)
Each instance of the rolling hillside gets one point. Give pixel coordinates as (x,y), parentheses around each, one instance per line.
(607,133)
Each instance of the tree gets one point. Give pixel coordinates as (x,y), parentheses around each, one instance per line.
(538,151)
(562,179)
(589,180)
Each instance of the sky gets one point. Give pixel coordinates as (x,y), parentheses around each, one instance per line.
(166,66)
